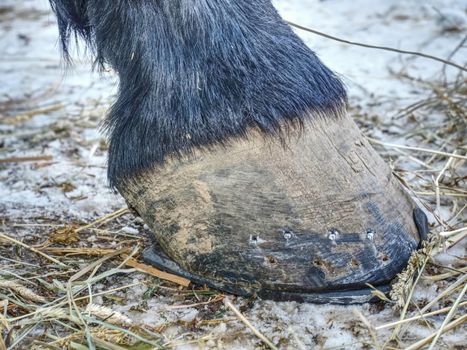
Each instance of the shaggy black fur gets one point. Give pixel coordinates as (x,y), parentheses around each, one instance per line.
(194,73)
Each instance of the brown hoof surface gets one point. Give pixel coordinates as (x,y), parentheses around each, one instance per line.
(314,217)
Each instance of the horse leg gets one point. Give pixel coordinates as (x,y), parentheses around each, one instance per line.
(231,139)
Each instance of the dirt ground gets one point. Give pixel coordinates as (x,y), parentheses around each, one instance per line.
(69,248)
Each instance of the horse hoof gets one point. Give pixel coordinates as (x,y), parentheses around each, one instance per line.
(315,216)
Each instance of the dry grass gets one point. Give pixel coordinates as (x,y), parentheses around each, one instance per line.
(59,300)
(433,168)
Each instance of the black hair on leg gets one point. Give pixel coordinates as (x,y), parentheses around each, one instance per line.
(195,73)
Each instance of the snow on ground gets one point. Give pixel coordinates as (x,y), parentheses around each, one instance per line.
(71,185)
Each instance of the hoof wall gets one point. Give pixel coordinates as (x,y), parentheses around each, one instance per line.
(316,221)
(250,285)
(156,257)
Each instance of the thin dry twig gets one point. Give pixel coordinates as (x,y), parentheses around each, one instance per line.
(453,232)
(4,236)
(447,328)
(26,159)
(446,275)
(249,325)
(448,317)
(449,290)
(378,47)
(418,317)
(419,149)
(20,118)
(211,301)
(438,178)
(371,329)
(158,273)
(104,219)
